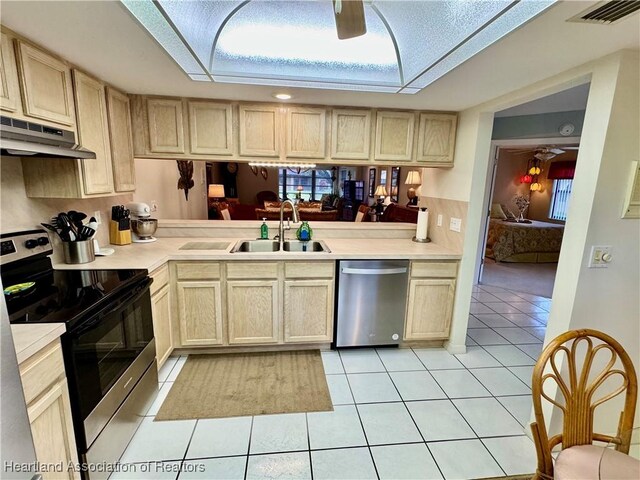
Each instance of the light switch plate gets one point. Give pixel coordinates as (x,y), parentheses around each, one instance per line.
(600,256)
(98,216)
(455,224)
(439,222)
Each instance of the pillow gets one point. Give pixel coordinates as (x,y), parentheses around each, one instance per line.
(497,212)
(272,204)
(310,206)
(359,216)
(508,213)
(225,214)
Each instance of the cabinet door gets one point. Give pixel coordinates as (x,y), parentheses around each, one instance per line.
(93,133)
(52,431)
(166,130)
(429,309)
(161,310)
(200,313)
(253,311)
(350,134)
(306,132)
(210,128)
(124,172)
(308,311)
(394,135)
(259,131)
(9,85)
(46,86)
(436,139)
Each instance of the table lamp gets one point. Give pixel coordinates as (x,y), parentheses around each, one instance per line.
(381,193)
(215,190)
(413,178)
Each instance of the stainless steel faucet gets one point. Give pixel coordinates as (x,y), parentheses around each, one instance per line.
(282,228)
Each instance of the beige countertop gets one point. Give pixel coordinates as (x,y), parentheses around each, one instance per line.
(155,254)
(30,339)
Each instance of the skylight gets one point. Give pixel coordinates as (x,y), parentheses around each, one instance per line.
(408,44)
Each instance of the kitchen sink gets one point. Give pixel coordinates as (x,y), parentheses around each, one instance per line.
(311,246)
(259,246)
(205,246)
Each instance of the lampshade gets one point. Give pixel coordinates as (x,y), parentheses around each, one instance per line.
(299,188)
(413,178)
(216,190)
(381,191)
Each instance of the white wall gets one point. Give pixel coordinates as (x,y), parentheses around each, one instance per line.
(158,180)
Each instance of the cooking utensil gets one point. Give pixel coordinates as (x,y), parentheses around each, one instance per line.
(85,233)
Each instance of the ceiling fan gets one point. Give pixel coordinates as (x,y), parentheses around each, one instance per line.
(349,15)
(545,153)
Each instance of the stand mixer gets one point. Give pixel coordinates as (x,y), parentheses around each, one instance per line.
(142,225)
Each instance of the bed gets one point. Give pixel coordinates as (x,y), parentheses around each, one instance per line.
(535,242)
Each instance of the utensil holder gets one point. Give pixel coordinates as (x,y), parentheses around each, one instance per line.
(78,252)
(118,237)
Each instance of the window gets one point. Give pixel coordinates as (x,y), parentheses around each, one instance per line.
(560,199)
(314,183)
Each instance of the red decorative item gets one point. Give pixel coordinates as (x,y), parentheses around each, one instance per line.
(526,178)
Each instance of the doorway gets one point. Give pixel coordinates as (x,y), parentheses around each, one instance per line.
(529,192)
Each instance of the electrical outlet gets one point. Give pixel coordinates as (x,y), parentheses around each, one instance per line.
(98,216)
(439,222)
(455,224)
(600,256)
(154,206)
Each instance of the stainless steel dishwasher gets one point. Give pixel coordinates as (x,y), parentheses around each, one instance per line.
(372,296)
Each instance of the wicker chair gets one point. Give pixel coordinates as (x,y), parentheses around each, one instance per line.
(579,403)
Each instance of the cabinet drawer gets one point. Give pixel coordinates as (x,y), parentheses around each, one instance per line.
(434,269)
(41,370)
(160,278)
(309,270)
(197,271)
(252,270)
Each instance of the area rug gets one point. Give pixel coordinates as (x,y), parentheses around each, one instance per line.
(232,385)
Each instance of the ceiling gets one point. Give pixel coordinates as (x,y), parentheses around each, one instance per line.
(107,41)
(566,101)
(406,45)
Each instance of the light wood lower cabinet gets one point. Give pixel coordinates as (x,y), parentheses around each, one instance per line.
(253,311)
(49,411)
(52,431)
(161,310)
(429,309)
(200,312)
(308,311)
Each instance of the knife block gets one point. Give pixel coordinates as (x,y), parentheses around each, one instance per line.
(118,237)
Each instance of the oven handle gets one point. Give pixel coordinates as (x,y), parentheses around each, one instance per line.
(132,295)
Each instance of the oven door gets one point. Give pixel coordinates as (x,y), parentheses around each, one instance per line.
(106,355)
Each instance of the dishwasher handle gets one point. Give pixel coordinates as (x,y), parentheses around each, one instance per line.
(373,271)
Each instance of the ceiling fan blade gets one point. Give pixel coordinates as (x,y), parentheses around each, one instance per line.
(557,151)
(350,22)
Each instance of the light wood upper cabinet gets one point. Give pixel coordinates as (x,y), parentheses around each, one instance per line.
(350,134)
(119,116)
(308,311)
(9,84)
(52,431)
(259,130)
(306,137)
(93,133)
(429,310)
(210,128)
(46,85)
(166,129)
(253,311)
(394,135)
(436,138)
(200,312)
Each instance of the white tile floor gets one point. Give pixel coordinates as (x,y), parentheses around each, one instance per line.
(398,414)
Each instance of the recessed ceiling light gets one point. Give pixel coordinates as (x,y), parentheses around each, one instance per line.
(282,96)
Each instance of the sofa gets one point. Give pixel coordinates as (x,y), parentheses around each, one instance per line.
(309,211)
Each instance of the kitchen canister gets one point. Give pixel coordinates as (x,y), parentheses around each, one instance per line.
(78,252)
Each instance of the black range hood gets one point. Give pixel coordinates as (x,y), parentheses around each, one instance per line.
(26,139)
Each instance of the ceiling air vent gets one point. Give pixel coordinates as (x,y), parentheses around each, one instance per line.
(607,12)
